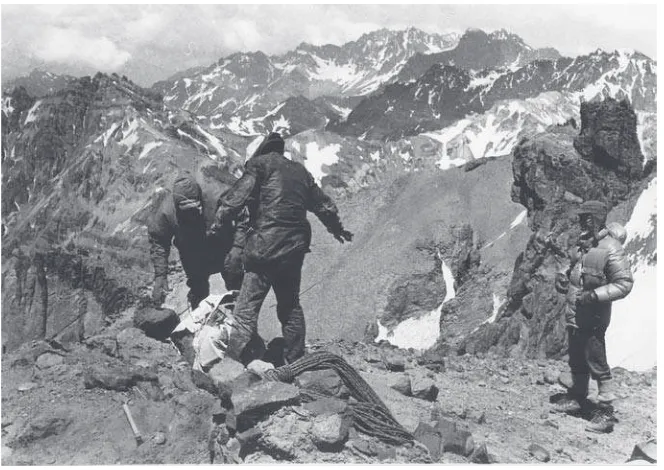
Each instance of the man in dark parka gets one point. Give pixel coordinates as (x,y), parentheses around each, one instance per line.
(278,193)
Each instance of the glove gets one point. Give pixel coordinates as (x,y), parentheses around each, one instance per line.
(586,297)
(561,283)
(214,230)
(344,235)
(159,290)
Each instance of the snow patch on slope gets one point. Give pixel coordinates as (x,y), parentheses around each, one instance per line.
(150,146)
(420,333)
(316,158)
(497,131)
(32,113)
(631,340)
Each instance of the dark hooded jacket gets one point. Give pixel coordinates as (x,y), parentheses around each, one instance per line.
(201,255)
(278,193)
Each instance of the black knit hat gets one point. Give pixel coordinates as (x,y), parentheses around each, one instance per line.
(272,143)
(186,190)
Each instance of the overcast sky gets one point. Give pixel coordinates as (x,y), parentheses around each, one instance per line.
(151,42)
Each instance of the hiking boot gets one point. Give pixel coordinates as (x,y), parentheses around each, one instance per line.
(567,404)
(602,421)
(606,391)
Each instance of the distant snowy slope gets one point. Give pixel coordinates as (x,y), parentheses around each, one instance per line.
(632,336)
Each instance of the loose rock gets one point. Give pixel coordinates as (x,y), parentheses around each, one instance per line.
(433,361)
(157,323)
(24,387)
(645,451)
(539,452)
(394,361)
(225,371)
(322,382)
(42,427)
(159,438)
(106,344)
(116,377)
(550,377)
(431,438)
(134,345)
(400,383)
(255,403)
(329,432)
(327,405)
(47,360)
(480,454)
(423,388)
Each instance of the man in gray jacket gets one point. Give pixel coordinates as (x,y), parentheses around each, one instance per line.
(599,274)
(184,220)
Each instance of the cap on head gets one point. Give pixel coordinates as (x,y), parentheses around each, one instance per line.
(272,143)
(596,208)
(186,192)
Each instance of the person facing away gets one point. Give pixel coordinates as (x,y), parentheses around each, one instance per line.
(599,274)
(278,193)
(184,220)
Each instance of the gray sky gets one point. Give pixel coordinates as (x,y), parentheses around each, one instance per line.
(151,42)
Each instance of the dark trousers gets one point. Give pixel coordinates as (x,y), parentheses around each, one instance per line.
(587,346)
(284,277)
(199,283)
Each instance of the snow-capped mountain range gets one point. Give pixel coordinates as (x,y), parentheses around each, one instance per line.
(85,160)
(445,93)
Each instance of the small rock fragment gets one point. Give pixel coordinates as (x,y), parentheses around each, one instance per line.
(550,377)
(47,360)
(423,388)
(539,452)
(480,454)
(329,432)
(24,387)
(431,438)
(400,383)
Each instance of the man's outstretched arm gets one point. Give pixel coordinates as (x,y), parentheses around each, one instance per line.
(327,212)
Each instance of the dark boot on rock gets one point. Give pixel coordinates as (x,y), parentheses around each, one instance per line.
(602,420)
(567,404)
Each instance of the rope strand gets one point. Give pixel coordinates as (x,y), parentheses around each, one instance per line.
(370,415)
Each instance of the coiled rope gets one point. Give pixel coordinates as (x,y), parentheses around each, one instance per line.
(370,415)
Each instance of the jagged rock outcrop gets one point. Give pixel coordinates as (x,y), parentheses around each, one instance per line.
(553,173)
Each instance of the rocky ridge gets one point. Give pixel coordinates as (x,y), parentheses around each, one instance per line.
(65,407)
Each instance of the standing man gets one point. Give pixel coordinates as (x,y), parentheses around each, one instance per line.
(278,193)
(184,220)
(599,274)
